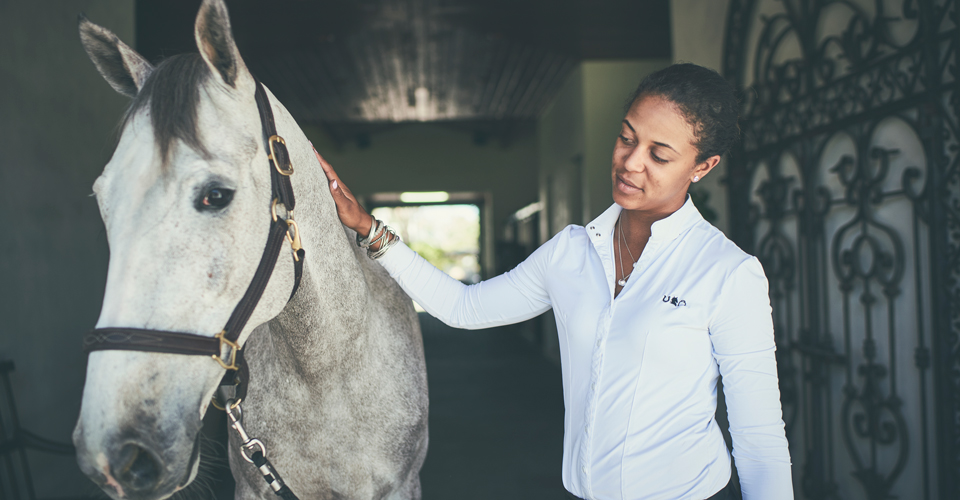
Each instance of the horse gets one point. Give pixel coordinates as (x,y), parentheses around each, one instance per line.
(337,389)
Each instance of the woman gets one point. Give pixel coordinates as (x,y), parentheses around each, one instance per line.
(652,304)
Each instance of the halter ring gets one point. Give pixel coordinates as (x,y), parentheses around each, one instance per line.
(232,357)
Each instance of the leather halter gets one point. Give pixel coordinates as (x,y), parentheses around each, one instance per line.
(223,347)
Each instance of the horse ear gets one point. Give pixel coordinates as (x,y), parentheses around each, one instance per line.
(215,41)
(122,67)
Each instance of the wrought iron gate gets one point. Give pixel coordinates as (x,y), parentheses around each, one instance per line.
(847,186)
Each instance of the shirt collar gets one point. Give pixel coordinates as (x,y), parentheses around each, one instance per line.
(664,229)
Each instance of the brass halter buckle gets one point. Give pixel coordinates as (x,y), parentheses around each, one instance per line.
(231,364)
(283,169)
(293,230)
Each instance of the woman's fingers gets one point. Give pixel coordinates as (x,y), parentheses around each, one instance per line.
(331,174)
(350,212)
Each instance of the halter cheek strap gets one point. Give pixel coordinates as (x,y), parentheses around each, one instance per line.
(223,347)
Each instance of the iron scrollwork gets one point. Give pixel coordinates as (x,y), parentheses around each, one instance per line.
(868,252)
(806,80)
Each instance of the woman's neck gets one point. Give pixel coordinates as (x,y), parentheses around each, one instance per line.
(637,225)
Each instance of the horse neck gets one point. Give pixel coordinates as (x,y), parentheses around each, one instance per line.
(323,322)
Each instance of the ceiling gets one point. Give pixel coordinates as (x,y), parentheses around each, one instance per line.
(348,64)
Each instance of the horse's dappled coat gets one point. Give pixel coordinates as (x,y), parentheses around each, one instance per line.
(338,384)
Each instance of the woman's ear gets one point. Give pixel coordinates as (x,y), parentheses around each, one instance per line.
(701,170)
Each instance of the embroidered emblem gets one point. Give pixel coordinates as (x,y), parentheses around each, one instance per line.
(674,301)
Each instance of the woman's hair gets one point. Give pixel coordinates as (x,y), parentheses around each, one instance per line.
(705,99)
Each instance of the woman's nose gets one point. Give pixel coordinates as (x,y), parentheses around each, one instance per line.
(634,161)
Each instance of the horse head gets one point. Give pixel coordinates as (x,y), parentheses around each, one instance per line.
(185,200)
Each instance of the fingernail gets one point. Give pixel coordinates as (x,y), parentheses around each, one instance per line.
(334,185)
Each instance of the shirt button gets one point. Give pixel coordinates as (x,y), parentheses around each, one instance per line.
(593,386)
(598,342)
(583,468)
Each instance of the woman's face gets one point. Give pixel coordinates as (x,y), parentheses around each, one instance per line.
(654,159)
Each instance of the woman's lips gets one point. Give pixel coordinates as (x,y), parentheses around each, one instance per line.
(626,187)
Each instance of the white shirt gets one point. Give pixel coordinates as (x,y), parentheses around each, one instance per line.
(640,370)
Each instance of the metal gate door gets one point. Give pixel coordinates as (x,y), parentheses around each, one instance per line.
(847,187)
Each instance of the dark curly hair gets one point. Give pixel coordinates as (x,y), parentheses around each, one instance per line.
(706,100)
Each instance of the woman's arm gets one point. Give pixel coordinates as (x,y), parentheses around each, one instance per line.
(743,343)
(509,298)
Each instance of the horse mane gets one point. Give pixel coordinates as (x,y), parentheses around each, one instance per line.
(172,93)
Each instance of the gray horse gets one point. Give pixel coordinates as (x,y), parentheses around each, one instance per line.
(338,389)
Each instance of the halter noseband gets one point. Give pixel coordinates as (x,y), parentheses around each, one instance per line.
(223,347)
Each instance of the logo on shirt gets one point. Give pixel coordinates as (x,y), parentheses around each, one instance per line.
(674,301)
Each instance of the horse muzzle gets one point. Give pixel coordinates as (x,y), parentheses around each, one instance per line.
(134,468)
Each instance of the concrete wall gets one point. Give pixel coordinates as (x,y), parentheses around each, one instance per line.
(439,157)
(698,28)
(560,140)
(57,120)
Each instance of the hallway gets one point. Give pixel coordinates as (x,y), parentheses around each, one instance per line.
(496,416)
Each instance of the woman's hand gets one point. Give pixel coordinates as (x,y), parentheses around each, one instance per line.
(350,212)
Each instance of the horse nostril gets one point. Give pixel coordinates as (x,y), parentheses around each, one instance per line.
(137,469)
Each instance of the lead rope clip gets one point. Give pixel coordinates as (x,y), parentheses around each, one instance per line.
(253,450)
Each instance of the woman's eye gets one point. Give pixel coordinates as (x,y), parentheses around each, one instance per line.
(657,158)
(624,139)
(214,198)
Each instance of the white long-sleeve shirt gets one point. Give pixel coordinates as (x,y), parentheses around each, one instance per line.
(640,370)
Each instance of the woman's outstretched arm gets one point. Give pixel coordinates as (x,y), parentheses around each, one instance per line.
(509,298)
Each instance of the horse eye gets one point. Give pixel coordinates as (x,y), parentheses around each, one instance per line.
(214,198)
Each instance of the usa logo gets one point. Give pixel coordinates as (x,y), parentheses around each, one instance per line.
(674,301)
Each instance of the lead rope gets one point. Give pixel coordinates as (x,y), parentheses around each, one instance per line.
(253,450)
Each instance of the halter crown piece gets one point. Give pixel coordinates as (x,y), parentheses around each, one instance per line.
(223,347)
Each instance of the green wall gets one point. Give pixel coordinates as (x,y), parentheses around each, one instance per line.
(57,120)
